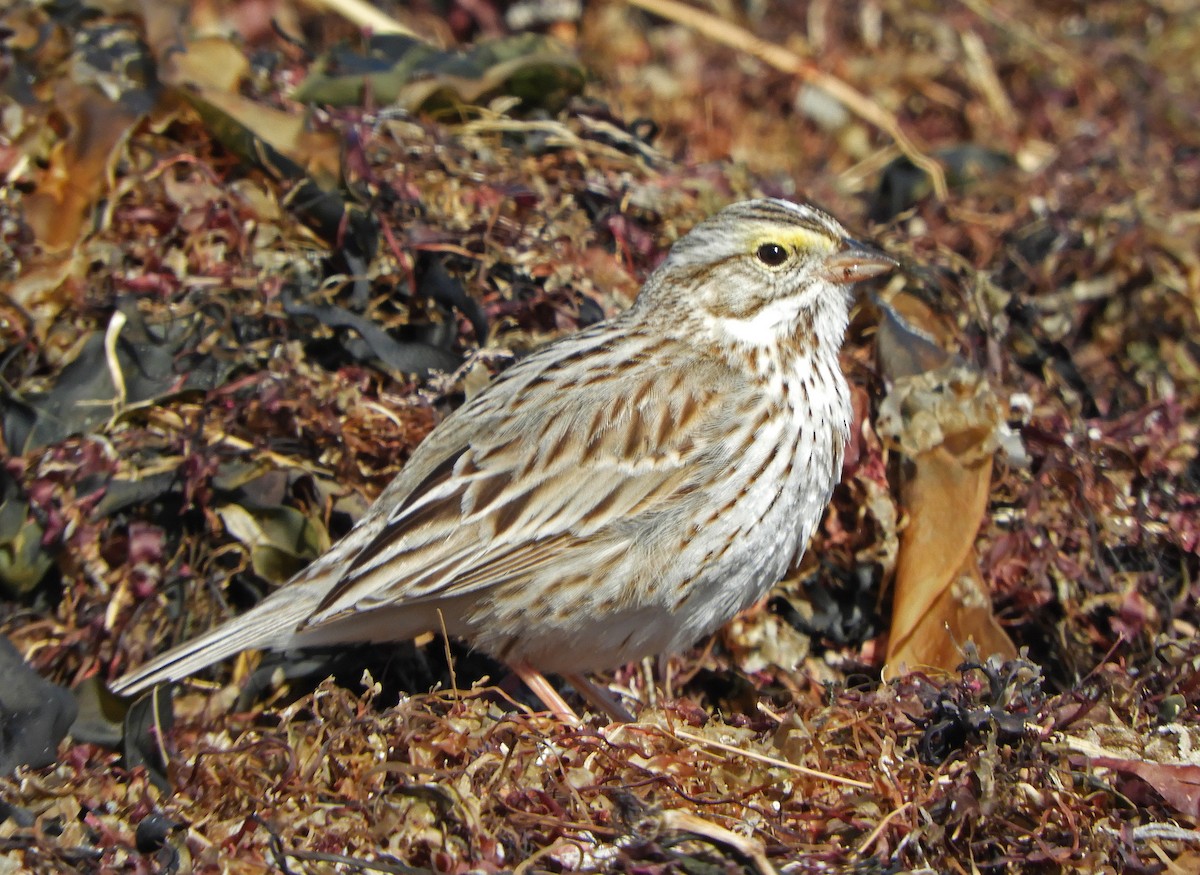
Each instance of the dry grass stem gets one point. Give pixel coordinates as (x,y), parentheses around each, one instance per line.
(782,59)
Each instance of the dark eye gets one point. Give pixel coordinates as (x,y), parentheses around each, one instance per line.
(771,254)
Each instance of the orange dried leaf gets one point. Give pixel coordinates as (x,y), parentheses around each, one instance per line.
(943,417)
(77,176)
(941,600)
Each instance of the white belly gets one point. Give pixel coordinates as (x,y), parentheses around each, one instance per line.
(682,590)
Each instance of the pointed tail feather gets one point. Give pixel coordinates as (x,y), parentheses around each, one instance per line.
(271,624)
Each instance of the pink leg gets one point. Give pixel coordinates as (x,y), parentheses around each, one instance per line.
(542,688)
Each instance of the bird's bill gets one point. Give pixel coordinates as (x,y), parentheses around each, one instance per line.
(856,261)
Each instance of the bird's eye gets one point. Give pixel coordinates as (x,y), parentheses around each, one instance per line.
(771,254)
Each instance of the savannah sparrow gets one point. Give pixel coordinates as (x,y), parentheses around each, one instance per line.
(619,493)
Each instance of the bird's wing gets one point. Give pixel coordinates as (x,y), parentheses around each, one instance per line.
(537,467)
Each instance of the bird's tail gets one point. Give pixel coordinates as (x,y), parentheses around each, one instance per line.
(268,625)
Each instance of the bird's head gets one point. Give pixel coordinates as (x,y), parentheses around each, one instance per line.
(761,272)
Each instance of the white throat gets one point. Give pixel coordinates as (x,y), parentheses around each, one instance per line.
(766,327)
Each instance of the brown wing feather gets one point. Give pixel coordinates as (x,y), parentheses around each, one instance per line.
(525,491)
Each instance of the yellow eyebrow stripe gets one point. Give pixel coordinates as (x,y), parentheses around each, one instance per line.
(795,238)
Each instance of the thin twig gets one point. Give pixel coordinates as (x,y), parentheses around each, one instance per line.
(449,657)
(787,61)
(771,761)
(879,828)
(363,14)
(355,863)
(1022,32)
(686,821)
(111,334)
(160,740)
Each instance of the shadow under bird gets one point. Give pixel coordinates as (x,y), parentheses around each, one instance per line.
(619,493)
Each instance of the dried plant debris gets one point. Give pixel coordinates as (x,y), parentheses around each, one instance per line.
(944,420)
(248,261)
